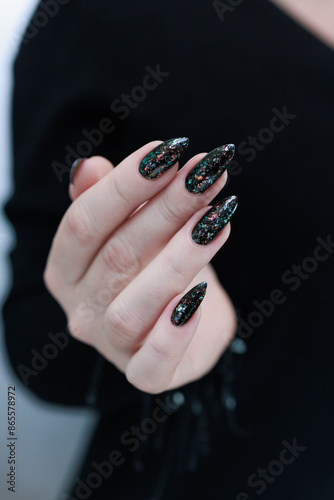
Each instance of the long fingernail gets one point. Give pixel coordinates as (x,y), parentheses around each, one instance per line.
(161,158)
(209,169)
(74,167)
(189,304)
(210,225)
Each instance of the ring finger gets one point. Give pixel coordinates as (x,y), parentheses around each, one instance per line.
(135,310)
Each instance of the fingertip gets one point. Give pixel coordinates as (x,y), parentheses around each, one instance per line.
(85,172)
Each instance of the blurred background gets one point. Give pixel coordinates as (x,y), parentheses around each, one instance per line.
(51,439)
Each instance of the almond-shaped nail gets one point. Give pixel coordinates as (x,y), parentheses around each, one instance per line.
(74,167)
(209,169)
(163,157)
(212,223)
(189,304)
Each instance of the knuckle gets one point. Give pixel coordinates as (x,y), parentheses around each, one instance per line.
(78,330)
(80,224)
(49,279)
(177,269)
(75,329)
(117,187)
(53,283)
(131,376)
(160,351)
(171,212)
(120,322)
(111,257)
(120,259)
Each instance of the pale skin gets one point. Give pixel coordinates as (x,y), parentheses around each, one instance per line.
(121,260)
(317,16)
(118,274)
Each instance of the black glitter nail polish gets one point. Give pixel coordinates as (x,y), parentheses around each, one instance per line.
(161,158)
(189,304)
(210,225)
(74,167)
(209,169)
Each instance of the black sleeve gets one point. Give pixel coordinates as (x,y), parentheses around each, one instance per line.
(54,100)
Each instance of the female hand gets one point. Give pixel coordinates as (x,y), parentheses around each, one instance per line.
(126,250)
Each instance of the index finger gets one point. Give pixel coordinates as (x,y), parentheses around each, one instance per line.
(97,212)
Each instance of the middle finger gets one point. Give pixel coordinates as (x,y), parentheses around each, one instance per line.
(142,236)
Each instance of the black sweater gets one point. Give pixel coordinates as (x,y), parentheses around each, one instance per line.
(104,78)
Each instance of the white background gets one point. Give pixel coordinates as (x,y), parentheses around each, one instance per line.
(51,439)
